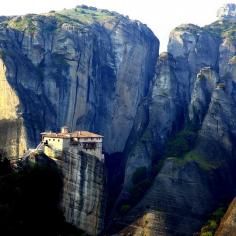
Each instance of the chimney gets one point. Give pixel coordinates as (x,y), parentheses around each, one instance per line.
(64,130)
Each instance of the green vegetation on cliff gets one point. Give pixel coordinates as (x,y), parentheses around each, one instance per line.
(79,16)
(86,15)
(22,23)
(181,143)
(198,158)
(226,30)
(213,222)
(194,29)
(181,149)
(216,29)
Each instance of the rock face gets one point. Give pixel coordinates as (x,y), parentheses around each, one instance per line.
(227,225)
(84,68)
(153,130)
(227,12)
(83,196)
(199,99)
(84,190)
(173,117)
(13,138)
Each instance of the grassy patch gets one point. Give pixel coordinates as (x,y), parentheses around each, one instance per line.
(196,157)
(22,23)
(181,143)
(181,149)
(84,15)
(194,29)
(227,29)
(78,16)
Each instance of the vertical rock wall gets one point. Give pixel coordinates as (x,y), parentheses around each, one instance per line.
(201,84)
(84,194)
(85,68)
(12,138)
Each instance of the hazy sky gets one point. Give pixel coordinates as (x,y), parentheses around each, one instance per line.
(160,15)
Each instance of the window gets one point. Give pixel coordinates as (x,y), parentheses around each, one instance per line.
(54,139)
(58,140)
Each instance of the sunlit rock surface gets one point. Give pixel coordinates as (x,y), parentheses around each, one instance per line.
(85,68)
(227,225)
(84,190)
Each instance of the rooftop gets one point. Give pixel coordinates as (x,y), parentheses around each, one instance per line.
(75,134)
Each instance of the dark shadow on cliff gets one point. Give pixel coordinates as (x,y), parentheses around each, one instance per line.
(201,173)
(29,202)
(115,176)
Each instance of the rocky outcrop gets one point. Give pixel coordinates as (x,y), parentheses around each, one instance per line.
(151,130)
(84,68)
(227,226)
(191,49)
(227,12)
(195,179)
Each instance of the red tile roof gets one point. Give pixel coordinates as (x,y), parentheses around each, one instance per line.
(76,134)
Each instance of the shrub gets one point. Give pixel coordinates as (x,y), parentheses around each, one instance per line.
(181,143)
(207,234)
(212,224)
(219,213)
